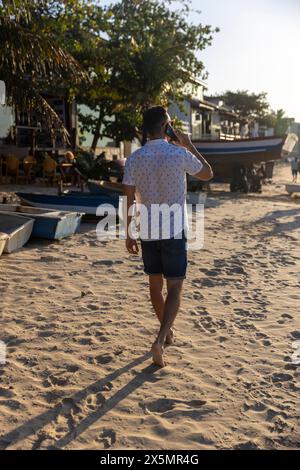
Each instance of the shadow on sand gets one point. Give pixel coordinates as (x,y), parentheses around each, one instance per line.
(279,226)
(34,425)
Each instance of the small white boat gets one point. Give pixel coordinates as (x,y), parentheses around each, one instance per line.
(3,239)
(17,228)
(49,223)
(292,188)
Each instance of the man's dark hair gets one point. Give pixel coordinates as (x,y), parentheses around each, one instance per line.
(152,119)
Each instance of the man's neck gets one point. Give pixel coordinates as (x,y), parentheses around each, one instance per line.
(157,137)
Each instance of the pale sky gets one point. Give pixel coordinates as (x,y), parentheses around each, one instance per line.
(258,48)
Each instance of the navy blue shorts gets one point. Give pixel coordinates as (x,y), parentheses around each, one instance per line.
(167,257)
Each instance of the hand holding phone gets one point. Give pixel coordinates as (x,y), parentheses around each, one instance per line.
(183,139)
(170,132)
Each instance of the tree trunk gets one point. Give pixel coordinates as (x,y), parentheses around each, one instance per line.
(96,136)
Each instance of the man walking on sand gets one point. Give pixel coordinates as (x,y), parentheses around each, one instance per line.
(155,176)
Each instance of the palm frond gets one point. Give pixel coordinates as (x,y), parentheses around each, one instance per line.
(26,98)
(17,8)
(25,52)
(30,62)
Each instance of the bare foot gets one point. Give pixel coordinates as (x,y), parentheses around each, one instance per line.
(170,337)
(158,355)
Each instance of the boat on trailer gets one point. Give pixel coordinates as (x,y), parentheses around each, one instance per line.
(226,156)
(18,230)
(48,223)
(244,163)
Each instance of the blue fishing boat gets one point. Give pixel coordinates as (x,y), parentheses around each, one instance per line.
(72,202)
(48,223)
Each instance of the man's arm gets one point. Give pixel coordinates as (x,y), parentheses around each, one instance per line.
(131,243)
(206,173)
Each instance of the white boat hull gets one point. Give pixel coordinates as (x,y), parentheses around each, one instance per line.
(18,229)
(3,240)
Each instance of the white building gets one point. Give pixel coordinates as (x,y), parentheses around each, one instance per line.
(205,118)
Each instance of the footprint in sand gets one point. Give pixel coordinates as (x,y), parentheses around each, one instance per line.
(85,341)
(162,405)
(49,259)
(236,270)
(106,262)
(244,324)
(46,334)
(85,292)
(102,359)
(108,437)
(93,307)
(249,445)
(28,361)
(295,334)
(285,317)
(227,299)
(72,368)
(211,272)
(198,296)
(101,337)
(249,314)
(12,404)
(279,425)
(69,404)
(208,325)
(205,324)
(258,407)
(65,421)
(172,409)
(94,401)
(41,437)
(281,377)
(57,380)
(6,393)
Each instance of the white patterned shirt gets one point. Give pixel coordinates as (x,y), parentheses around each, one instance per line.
(158,172)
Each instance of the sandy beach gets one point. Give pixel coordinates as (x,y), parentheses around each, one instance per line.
(78,325)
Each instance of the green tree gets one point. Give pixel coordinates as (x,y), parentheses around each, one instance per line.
(136,52)
(79,26)
(255,107)
(147,56)
(278,121)
(249,106)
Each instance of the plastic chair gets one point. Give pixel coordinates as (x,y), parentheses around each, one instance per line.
(12,167)
(29,163)
(49,170)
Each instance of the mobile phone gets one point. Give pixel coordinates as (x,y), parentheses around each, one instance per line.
(170,132)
